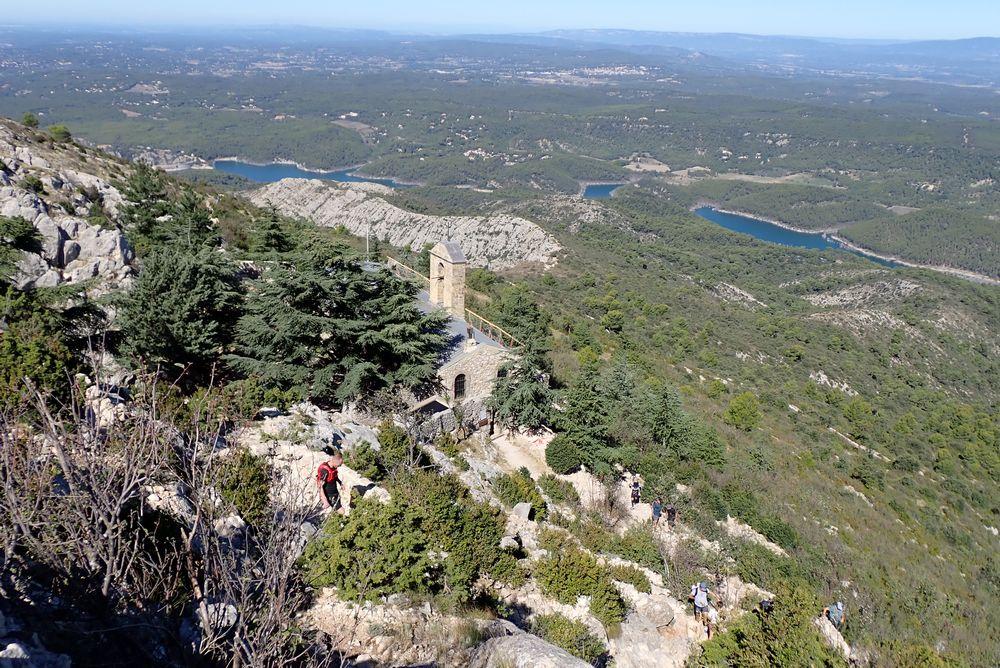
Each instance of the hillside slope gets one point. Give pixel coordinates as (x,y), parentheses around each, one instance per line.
(498,241)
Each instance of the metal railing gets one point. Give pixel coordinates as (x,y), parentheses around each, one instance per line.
(490,329)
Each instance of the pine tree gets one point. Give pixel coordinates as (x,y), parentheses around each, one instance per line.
(146,201)
(181,310)
(329,330)
(521,396)
(17,236)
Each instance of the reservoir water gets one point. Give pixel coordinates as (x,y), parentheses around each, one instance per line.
(775,234)
(276,171)
(601,190)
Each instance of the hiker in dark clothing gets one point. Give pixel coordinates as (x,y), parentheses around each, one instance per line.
(636,489)
(328,480)
(671,515)
(657,510)
(836,614)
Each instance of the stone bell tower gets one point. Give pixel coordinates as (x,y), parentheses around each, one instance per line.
(448,277)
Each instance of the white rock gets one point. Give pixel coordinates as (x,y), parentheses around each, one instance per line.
(522,510)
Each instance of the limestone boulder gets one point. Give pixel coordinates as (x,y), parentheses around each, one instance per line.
(513,648)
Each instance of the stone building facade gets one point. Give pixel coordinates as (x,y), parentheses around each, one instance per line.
(474,359)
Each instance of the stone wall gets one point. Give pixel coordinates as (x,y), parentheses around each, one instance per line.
(480,365)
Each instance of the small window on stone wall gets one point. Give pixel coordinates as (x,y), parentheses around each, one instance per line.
(459,387)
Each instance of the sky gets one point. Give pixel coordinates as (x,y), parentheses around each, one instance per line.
(890,19)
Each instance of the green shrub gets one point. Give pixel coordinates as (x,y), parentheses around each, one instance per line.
(631,575)
(743,412)
(562,455)
(778,531)
(31,346)
(395,446)
(606,604)
(593,534)
(379,549)
(448,444)
(555,541)
(572,573)
(431,538)
(518,488)
(559,490)
(869,473)
(784,637)
(245,482)
(60,133)
(29,120)
(33,184)
(638,545)
(571,635)
(364,459)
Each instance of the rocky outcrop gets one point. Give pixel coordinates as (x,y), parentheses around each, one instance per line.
(19,648)
(496,241)
(513,648)
(45,185)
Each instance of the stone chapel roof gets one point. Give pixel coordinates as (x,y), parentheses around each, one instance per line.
(449,250)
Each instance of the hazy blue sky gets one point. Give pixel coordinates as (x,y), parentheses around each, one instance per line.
(833,18)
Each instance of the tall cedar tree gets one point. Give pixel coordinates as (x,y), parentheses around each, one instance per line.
(521,396)
(146,201)
(328,330)
(181,310)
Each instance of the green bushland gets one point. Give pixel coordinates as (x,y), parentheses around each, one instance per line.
(786,636)
(631,575)
(245,482)
(559,490)
(571,635)
(518,487)
(571,573)
(431,538)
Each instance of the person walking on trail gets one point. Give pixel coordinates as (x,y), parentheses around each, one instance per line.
(836,614)
(636,489)
(671,516)
(701,597)
(328,480)
(657,510)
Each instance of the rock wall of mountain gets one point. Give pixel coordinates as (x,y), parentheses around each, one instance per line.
(496,241)
(57,187)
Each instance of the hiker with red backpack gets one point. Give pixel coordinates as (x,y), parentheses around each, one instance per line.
(328,480)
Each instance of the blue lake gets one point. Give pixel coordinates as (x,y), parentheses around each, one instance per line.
(276,171)
(601,190)
(775,234)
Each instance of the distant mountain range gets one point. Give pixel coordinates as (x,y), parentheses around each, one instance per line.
(969,61)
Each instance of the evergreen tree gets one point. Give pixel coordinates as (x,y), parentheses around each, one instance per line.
(17,236)
(337,332)
(521,396)
(191,225)
(584,418)
(146,201)
(181,310)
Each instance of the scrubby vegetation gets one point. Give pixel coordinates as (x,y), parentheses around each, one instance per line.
(570,573)
(520,488)
(572,636)
(432,538)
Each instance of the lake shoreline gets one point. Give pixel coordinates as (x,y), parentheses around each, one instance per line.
(831,233)
(354,170)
